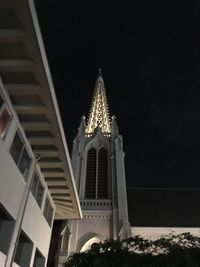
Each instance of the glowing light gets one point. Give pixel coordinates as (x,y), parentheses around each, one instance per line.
(88,244)
(99,115)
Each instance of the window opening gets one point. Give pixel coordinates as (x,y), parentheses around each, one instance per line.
(24,250)
(39,260)
(6,229)
(20,155)
(48,212)
(37,189)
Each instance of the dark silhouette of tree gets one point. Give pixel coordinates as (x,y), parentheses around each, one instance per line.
(173,251)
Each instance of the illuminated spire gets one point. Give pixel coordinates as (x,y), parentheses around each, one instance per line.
(99,115)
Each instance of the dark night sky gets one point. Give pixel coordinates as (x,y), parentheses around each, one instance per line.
(149,52)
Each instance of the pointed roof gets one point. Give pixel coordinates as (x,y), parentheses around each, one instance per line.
(99,115)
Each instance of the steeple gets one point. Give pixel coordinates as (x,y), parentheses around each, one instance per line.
(99,115)
(98,165)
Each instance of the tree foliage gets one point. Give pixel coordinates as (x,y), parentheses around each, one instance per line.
(173,251)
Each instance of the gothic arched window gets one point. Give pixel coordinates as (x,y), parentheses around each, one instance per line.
(97,174)
(90,186)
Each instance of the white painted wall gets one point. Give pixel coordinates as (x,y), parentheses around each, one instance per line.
(98,226)
(12,183)
(36,226)
(2,259)
(12,186)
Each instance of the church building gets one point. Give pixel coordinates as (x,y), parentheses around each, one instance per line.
(98,164)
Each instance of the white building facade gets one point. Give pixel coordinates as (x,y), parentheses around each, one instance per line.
(98,164)
(27,208)
(36,179)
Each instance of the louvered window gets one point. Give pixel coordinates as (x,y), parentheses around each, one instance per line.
(102,173)
(97,174)
(90,187)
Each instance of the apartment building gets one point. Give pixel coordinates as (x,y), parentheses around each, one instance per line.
(36,179)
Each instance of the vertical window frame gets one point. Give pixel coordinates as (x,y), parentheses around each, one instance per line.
(5,107)
(35,192)
(38,255)
(19,160)
(48,208)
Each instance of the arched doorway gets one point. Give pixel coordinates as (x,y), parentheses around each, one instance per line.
(87,240)
(88,243)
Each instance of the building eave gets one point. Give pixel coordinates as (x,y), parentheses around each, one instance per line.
(26,77)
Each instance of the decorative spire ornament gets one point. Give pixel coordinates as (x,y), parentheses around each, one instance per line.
(114,127)
(81,128)
(99,115)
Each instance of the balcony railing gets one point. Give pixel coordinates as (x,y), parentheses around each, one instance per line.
(92,204)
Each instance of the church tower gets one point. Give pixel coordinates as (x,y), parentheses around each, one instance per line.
(98,164)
